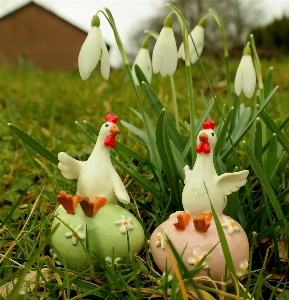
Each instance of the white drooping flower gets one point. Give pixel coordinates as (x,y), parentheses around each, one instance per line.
(143,60)
(93,50)
(197,34)
(165,53)
(245,79)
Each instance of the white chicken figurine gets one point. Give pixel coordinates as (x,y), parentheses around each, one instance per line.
(98,227)
(193,232)
(97,180)
(202,183)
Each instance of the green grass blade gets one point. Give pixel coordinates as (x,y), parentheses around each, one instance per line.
(264,181)
(14,293)
(33,144)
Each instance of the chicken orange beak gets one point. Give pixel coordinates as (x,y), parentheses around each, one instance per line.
(203,137)
(114,130)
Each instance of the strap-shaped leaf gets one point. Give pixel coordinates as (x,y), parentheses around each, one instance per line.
(157,108)
(274,128)
(33,144)
(223,241)
(166,155)
(144,183)
(264,181)
(271,161)
(223,133)
(268,84)
(140,75)
(259,111)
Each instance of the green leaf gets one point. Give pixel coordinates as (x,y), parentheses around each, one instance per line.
(264,181)
(140,75)
(271,156)
(259,111)
(223,241)
(33,144)
(268,84)
(157,108)
(85,132)
(223,133)
(144,183)
(166,156)
(274,128)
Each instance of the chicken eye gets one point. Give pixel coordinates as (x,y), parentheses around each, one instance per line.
(213,133)
(106,125)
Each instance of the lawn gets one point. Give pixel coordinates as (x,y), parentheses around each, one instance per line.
(47,107)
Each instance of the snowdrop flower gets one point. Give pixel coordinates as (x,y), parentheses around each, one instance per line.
(93,50)
(197,34)
(245,79)
(143,60)
(165,53)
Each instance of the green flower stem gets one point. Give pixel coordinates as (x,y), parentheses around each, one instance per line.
(175,102)
(226,52)
(185,35)
(110,19)
(258,69)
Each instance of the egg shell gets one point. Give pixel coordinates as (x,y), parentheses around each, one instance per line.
(103,236)
(198,244)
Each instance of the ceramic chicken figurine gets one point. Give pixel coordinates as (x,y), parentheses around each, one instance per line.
(202,183)
(193,232)
(92,219)
(97,180)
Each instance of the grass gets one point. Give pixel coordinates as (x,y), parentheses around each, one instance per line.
(46,106)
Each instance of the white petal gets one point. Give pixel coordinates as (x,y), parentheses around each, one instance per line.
(197,35)
(143,60)
(239,77)
(105,61)
(89,53)
(181,52)
(158,52)
(123,229)
(249,77)
(171,55)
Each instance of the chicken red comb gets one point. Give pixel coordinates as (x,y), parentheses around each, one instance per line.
(209,124)
(111,118)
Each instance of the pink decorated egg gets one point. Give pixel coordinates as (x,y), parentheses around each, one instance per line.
(193,245)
